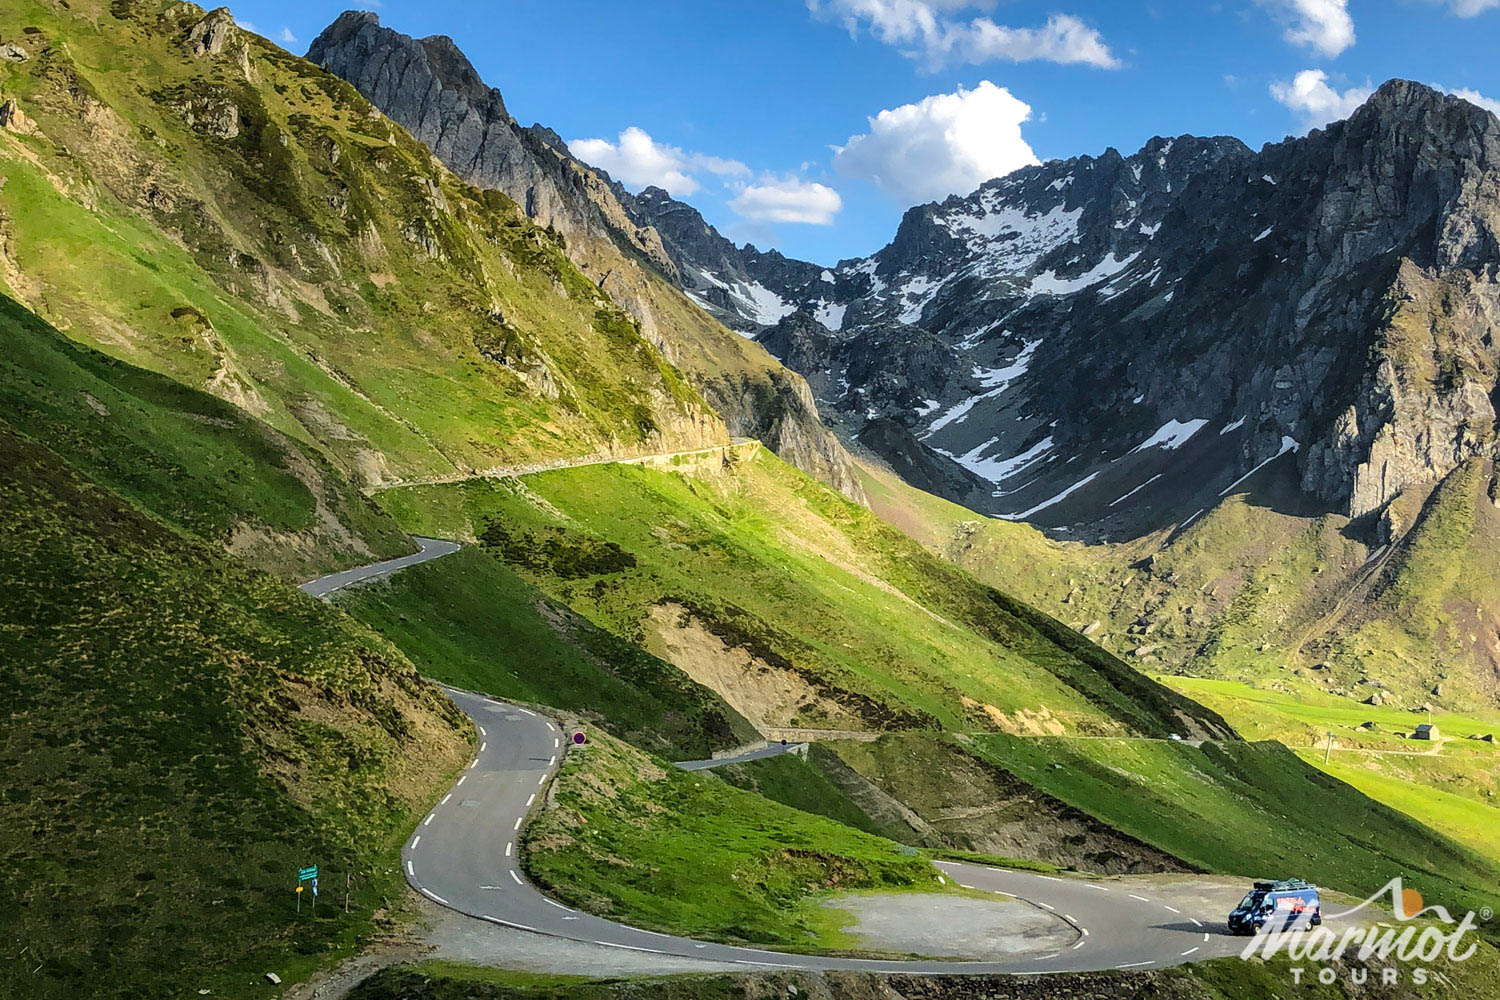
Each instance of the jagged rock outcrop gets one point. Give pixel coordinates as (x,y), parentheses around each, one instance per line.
(430,88)
(209,35)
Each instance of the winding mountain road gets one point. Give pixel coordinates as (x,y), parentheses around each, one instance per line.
(428,548)
(465,855)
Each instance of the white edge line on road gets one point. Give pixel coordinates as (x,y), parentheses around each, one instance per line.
(1099,887)
(508,845)
(770,965)
(460,781)
(1069,918)
(445,799)
(434,897)
(517,878)
(1002,871)
(542,780)
(1136,965)
(1141,898)
(554,903)
(409,872)
(1196,921)
(1205,936)
(526,711)
(1085,931)
(483,747)
(1189,951)
(1049,878)
(428,820)
(518,823)
(1042,958)
(630,947)
(1081,943)
(530,800)
(482,732)
(1172,909)
(552,760)
(555,743)
(1046,906)
(415,841)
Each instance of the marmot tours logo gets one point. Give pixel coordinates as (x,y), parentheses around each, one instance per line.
(1405,947)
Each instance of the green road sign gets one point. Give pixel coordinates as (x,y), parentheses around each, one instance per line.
(306,873)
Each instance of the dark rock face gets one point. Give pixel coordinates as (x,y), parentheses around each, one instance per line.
(741,286)
(430,88)
(1114,343)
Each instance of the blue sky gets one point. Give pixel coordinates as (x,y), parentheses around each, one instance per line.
(739,107)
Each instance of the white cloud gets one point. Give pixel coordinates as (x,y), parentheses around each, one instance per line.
(637,160)
(1314,101)
(923,31)
(944,144)
(1322,25)
(788,199)
(247,25)
(285,37)
(1471,8)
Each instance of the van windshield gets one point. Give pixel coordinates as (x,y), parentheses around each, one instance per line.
(1251,901)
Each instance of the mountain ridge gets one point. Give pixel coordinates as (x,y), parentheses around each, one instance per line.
(1061,305)
(429,87)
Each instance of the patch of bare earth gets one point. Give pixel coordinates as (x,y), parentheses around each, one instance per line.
(768,696)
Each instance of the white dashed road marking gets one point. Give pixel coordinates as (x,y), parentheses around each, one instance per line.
(508,846)
(1189,951)
(445,799)
(530,800)
(1141,898)
(1173,909)
(415,841)
(518,823)
(517,878)
(1135,965)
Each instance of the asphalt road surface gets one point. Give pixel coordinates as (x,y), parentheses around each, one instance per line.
(430,548)
(760,753)
(464,856)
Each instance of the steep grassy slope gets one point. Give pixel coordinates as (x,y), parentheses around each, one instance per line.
(182,734)
(271,237)
(1253,809)
(637,840)
(799,607)
(186,456)
(468,620)
(1264,590)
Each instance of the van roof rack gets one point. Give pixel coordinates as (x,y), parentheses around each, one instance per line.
(1285,885)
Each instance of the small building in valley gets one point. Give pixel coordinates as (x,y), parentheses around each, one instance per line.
(1426,731)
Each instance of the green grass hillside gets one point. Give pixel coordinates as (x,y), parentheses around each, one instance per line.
(1263,590)
(270,237)
(468,620)
(800,608)
(637,840)
(187,456)
(182,734)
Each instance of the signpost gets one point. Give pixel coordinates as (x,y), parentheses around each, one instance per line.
(578,739)
(308,874)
